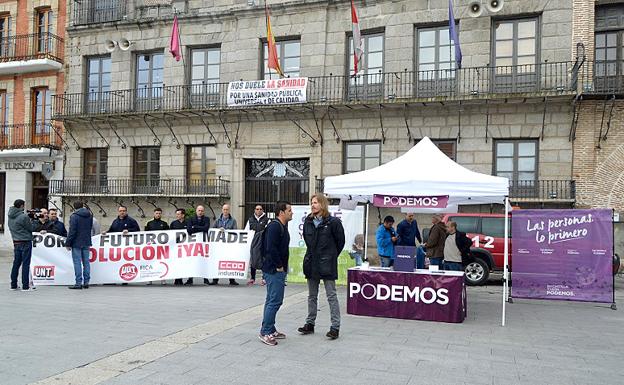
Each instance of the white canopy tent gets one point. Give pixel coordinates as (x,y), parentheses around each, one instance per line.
(425,171)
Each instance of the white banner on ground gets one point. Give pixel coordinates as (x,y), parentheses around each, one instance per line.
(267,92)
(145,256)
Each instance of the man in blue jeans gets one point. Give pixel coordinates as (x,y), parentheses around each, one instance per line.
(274,270)
(79,241)
(21,232)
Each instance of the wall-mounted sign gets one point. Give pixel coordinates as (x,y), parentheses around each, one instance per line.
(17,165)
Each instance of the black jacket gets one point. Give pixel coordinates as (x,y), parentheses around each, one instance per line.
(127,223)
(177,225)
(80,224)
(156,225)
(198,224)
(324,243)
(464,243)
(276,251)
(258,224)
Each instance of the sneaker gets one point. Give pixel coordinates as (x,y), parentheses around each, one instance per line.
(86,286)
(278,335)
(251,282)
(189,282)
(178,282)
(163,282)
(263,283)
(268,339)
(13,288)
(213,282)
(149,283)
(332,334)
(206,281)
(234,283)
(75,287)
(306,329)
(30,289)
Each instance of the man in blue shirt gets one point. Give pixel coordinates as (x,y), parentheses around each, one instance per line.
(274,270)
(408,231)
(124,223)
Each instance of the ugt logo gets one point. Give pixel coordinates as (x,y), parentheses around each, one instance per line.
(128,272)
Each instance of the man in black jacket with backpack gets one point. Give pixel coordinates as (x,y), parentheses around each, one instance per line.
(325,239)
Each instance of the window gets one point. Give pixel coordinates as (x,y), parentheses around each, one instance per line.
(288,53)
(41,113)
(494,227)
(361,156)
(466,224)
(609,47)
(98,84)
(95,169)
(149,80)
(369,82)
(43,29)
(201,167)
(4,118)
(436,54)
(447,146)
(515,55)
(205,68)
(146,167)
(516,159)
(5,33)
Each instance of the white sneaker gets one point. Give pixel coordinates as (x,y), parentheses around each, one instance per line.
(14,288)
(30,289)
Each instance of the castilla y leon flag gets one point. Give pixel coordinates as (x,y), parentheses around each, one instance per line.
(174,43)
(273,60)
(357,39)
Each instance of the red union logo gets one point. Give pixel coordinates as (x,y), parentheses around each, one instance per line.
(232,265)
(43,271)
(128,272)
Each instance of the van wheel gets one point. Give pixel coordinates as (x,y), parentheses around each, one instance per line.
(477,272)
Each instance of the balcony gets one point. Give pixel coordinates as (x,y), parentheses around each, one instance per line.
(87,12)
(31,53)
(215,187)
(555,191)
(604,78)
(19,136)
(545,79)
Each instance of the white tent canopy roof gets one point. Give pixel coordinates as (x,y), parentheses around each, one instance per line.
(422,171)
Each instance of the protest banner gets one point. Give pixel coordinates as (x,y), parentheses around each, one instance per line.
(563,254)
(353,224)
(267,92)
(145,256)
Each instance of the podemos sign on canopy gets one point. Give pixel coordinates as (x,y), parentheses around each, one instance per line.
(146,256)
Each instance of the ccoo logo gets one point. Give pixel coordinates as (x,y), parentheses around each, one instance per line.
(232,265)
(128,272)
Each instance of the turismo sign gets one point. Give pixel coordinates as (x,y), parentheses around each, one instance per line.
(267,92)
(433,202)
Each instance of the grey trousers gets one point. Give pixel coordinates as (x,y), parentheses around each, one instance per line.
(332,298)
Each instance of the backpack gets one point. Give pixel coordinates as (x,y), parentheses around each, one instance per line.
(257,250)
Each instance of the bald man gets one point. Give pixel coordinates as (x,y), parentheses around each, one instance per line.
(225,222)
(198,223)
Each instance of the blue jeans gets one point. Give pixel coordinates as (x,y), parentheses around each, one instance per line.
(21,257)
(453,266)
(420,258)
(82,269)
(436,261)
(275,283)
(386,261)
(358,259)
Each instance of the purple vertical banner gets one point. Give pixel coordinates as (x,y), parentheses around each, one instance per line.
(562,255)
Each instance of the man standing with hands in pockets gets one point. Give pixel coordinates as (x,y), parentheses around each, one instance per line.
(325,239)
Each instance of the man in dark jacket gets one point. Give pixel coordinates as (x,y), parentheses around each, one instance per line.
(408,231)
(435,243)
(257,222)
(225,222)
(41,222)
(54,225)
(180,223)
(198,224)
(124,223)
(275,269)
(456,248)
(21,232)
(79,241)
(325,239)
(157,223)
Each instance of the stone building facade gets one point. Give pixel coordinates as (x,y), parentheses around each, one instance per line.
(31,71)
(147,131)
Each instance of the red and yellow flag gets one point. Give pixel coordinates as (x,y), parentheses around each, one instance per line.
(273,59)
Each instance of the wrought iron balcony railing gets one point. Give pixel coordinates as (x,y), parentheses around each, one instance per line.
(33,46)
(98,11)
(390,87)
(165,187)
(29,136)
(604,78)
(542,190)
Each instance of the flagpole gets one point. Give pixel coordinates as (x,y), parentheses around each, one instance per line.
(266,21)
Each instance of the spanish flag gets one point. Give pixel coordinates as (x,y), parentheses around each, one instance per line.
(273,60)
